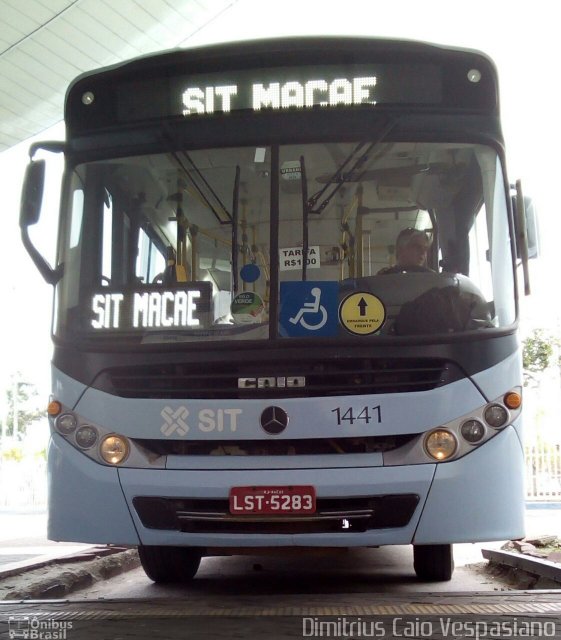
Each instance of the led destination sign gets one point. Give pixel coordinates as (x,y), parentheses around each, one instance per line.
(277,95)
(306,87)
(282,88)
(186,307)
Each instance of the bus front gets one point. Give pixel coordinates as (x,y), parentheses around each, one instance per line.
(244,358)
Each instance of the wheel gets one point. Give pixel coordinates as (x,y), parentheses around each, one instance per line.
(433,562)
(170,564)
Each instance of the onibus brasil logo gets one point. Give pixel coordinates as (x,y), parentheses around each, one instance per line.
(35,629)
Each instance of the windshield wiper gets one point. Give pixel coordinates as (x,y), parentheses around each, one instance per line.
(360,155)
(222,214)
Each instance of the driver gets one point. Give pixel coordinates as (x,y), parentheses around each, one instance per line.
(411,247)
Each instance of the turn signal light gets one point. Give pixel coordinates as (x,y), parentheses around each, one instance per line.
(54,408)
(513,400)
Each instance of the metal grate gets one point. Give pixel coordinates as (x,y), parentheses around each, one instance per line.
(325,377)
(288,447)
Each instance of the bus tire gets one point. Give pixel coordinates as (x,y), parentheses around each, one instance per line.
(169,564)
(433,562)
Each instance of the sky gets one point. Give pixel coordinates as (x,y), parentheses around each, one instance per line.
(521,37)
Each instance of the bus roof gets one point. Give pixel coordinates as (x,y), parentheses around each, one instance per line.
(290,48)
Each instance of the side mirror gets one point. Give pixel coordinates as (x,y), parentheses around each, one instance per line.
(532,228)
(521,226)
(30,207)
(32,193)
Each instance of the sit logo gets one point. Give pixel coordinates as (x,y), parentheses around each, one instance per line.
(174,421)
(35,629)
(208,420)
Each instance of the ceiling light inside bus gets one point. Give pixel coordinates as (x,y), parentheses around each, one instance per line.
(496,415)
(66,423)
(114,449)
(86,436)
(440,444)
(472,431)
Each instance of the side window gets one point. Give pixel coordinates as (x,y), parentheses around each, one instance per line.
(76,217)
(117,241)
(479,264)
(149,260)
(107,241)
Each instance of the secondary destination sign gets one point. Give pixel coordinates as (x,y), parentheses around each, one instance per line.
(186,306)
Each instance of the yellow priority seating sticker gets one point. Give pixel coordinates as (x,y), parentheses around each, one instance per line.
(362,313)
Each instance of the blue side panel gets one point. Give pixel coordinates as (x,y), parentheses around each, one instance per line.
(86,503)
(66,389)
(499,379)
(479,497)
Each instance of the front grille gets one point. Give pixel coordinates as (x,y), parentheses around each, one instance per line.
(332,515)
(289,447)
(323,377)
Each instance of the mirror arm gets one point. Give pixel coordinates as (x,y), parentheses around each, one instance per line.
(54,146)
(52,276)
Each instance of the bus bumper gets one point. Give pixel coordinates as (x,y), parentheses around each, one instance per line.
(476,498)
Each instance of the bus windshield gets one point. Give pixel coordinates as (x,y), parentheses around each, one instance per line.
(317,240)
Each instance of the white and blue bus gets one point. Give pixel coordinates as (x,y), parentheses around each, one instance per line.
(243,360)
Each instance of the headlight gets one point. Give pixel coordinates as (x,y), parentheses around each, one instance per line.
(114,449)
(441,444)
(86,437)
(496,415)
(472,431)
(66,423)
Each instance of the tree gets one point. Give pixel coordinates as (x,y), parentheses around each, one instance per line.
(537,354)
(21,407)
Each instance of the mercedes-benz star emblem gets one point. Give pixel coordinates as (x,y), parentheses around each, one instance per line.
(274,420)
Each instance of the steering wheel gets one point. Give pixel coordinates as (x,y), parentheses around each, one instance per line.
(410,269)
(416,268)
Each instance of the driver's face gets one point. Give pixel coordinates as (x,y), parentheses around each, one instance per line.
(414,253)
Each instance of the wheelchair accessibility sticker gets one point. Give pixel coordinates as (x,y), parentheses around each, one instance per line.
(308,308)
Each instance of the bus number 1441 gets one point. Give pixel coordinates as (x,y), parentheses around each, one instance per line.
(367,414)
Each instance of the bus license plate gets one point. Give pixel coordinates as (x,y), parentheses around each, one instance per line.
(272,500)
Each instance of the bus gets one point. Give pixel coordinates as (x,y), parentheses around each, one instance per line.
(242,361)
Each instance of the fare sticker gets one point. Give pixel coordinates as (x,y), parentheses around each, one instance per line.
(362,313)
